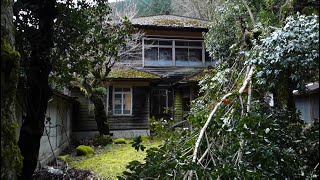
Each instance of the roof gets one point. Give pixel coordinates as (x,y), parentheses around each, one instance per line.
(197,76)
(170,21)
(62,95)
(310,88)
(125,72)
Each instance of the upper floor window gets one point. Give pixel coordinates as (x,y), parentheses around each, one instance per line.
(174,52)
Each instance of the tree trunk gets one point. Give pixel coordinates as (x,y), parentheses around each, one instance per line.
(100,114)
(290,97)
(11,159)
(38,94)
(37,90)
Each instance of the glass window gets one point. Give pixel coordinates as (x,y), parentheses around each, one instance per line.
(195,43)
(159,101)
(165,56)
(151,42)
(151,54)
(122,102)
(169,42)
(182,57)
(159,52)
(181,43)
(195,57)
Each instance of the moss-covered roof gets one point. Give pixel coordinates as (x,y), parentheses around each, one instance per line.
(122,72)
(170,21)
(196,77)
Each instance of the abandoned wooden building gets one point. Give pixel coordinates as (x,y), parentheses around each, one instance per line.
(160,82)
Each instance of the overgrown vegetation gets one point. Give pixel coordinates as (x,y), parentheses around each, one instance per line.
(236,133)
(110,161)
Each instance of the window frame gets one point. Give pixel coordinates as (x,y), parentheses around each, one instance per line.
(113,100)
(173,47)
(159,98)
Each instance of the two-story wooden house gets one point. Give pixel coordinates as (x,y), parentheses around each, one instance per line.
(161,82)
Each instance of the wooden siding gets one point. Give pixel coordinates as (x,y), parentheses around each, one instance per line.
(83,120)
(58,132)
(178,105)
(308,106)
(140,111)
(138,119)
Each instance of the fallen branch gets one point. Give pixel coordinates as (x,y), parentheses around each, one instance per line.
(203,129)
(249,96)
(245,82)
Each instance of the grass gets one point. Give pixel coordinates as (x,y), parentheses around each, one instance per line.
(110,161)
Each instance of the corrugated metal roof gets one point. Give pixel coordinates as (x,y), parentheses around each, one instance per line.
(170,21)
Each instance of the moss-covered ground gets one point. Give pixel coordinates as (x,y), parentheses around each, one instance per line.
(110,161)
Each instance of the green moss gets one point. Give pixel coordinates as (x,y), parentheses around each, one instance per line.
(83,150)
(11,158)
(110,161)
(176,22)
(120,141)
(121,72)
(145,138)
(8,54)
(64,158)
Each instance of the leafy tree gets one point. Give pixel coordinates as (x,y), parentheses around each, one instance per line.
(40,37)
(146,7)
(88,46)
(288,59)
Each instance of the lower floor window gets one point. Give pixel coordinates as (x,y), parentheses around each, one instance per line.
(159,101)
(122,101)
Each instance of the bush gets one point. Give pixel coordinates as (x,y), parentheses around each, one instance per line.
(64,158)
(101,140)
(120,141)
(83,150)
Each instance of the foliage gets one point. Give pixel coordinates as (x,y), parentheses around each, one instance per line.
(101,91)
(160,127)
(263,144)
(88,44)
(256,142)
(293,49)
(137,144)
(101,140)
(84,150)
(120,141)
(168,161)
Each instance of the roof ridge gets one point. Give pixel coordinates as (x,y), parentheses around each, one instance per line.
(170,15)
